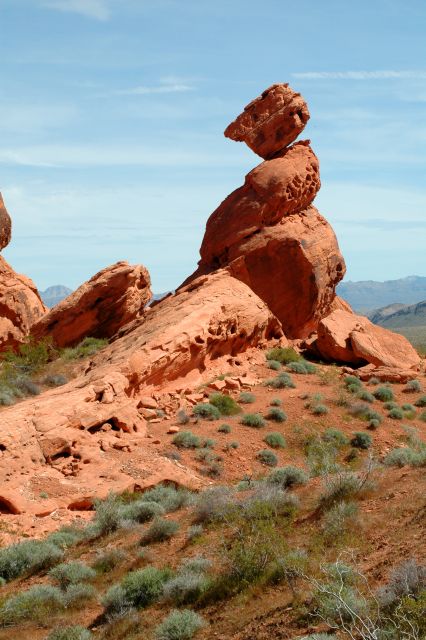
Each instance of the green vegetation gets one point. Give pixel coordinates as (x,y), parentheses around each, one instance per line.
(274,365)
(284,355)
(396,413)
(186,440)
(282,381)
(267,457)
(225,404)
(361,440)
(384,394)
(85,349)
(276,415)
(412,386)
(302,367)
(159,531)
(70,633)
(71,573)
(247,398)
(28,557)
(335,437)
(138,589)
(413,455)
(287,477)
(254,420)
(276,402)
(421,402)
(224,428)
(275,440)
(179,625)
(365,395)
(206,410)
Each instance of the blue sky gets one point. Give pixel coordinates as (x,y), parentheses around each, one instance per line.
(112,113)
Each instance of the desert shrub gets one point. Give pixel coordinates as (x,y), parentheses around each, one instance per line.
(421,402)
(195,531)
(274,365)
(108,559)
(205,453)
(182,417)
(275,440)
(276,414)
(170,498)
(36,604)
(407,579)
(212,469)
(247,398)
(342,487)
(267,457)
(374,381)
(108,516)
(186,440)
(361,440)
(224,428)
(384,394)
(408,407)
(319,409)
(412,386)
(233,445)
(335,437)
(71,573)
(186,587)
(86,348)
(206,410)
(254,420)
(339,520)
(6,397)
(321,456)
(267,499)
(414,454)
(283,355)
(196,564)
(365,395)
(302,366)
(213,504)
(66,537)
(422,416)
(28,557)
(287,477)
(141,511)
(352,380)
(137,589)
(276,402)
(55,380)
(390,405)
(179,625)
(225,404)
(78,594)
(208,443)
(70,633)
(374,424)
(396,413)
(159,531)
(364,412)
(282,381)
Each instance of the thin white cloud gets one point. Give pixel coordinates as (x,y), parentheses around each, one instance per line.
(361,75)
(166,85)
(96,9)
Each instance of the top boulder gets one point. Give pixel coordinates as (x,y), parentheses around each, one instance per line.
(270,122)
(5,225)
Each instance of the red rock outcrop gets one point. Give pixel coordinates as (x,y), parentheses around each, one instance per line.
(20,306)
(270,122)
(266,233)
(109,300)
(74,434)
(346,337)
(5,225)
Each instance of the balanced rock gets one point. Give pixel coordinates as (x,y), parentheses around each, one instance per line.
(267,233)
(270,122)
(20,304)
(5,225)
(98,308)
(346,337)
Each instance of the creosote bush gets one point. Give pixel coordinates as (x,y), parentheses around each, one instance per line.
(159,531)
(282,381)
(186,440)
(254,420)
(284,355)
(275,440)
(267,457)
(247,398)
(287,477)
(276,414)
(179,625)
(226,405)
(207,411)
(384,394)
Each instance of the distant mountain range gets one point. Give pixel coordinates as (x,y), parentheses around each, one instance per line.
(400,315)
(53,295)
(366,295)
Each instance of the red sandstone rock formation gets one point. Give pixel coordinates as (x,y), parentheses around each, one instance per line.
(20,306)
(72,434)
(271,122)
(266,233)
(346,337)
(5,225)
(111,299)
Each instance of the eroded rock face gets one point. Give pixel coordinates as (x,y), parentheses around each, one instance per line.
(72,435)
(111,299)
(274,189)
(20,306)
(5,225)
(270,122)
(346,337)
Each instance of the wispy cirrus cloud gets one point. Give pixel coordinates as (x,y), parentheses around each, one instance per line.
(165,85)
(97,9)
(386,74)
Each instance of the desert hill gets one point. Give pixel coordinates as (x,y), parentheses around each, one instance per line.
(369,294)
(242,459)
